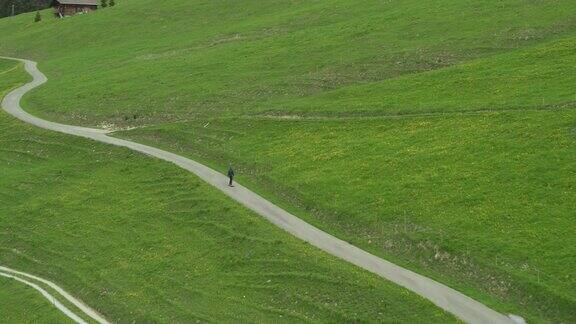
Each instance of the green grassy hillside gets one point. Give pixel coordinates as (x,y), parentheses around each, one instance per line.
(204,58)
(142,240)
(470,185)
(534,78)
(482,199)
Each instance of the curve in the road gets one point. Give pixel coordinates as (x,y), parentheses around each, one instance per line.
(462,306)
(47,295)
(28,279)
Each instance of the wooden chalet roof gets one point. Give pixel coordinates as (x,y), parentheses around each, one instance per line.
(79,2)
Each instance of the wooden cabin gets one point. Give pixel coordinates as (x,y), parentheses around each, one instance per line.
(65,8)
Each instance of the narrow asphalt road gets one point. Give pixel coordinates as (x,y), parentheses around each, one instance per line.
(462,306)
(47,295)
(32,281)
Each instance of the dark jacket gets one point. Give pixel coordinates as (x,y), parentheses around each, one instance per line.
(230,173)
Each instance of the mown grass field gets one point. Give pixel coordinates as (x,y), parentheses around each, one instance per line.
(141,240)
(198,57)
(536,77)
(487,211)
(438,135)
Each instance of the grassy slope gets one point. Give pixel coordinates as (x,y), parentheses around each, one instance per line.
(142,240)
(535,78)
(340,58)
(201,57)
(490,209)
(22,304)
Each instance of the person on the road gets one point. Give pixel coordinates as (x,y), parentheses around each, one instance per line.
(231,176)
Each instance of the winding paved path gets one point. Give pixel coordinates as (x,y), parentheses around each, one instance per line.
(30,280)
(462,306)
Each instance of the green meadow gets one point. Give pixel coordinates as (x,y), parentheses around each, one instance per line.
(483,202)
(538,77)
(140,63)
(438,135)
(144,241)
